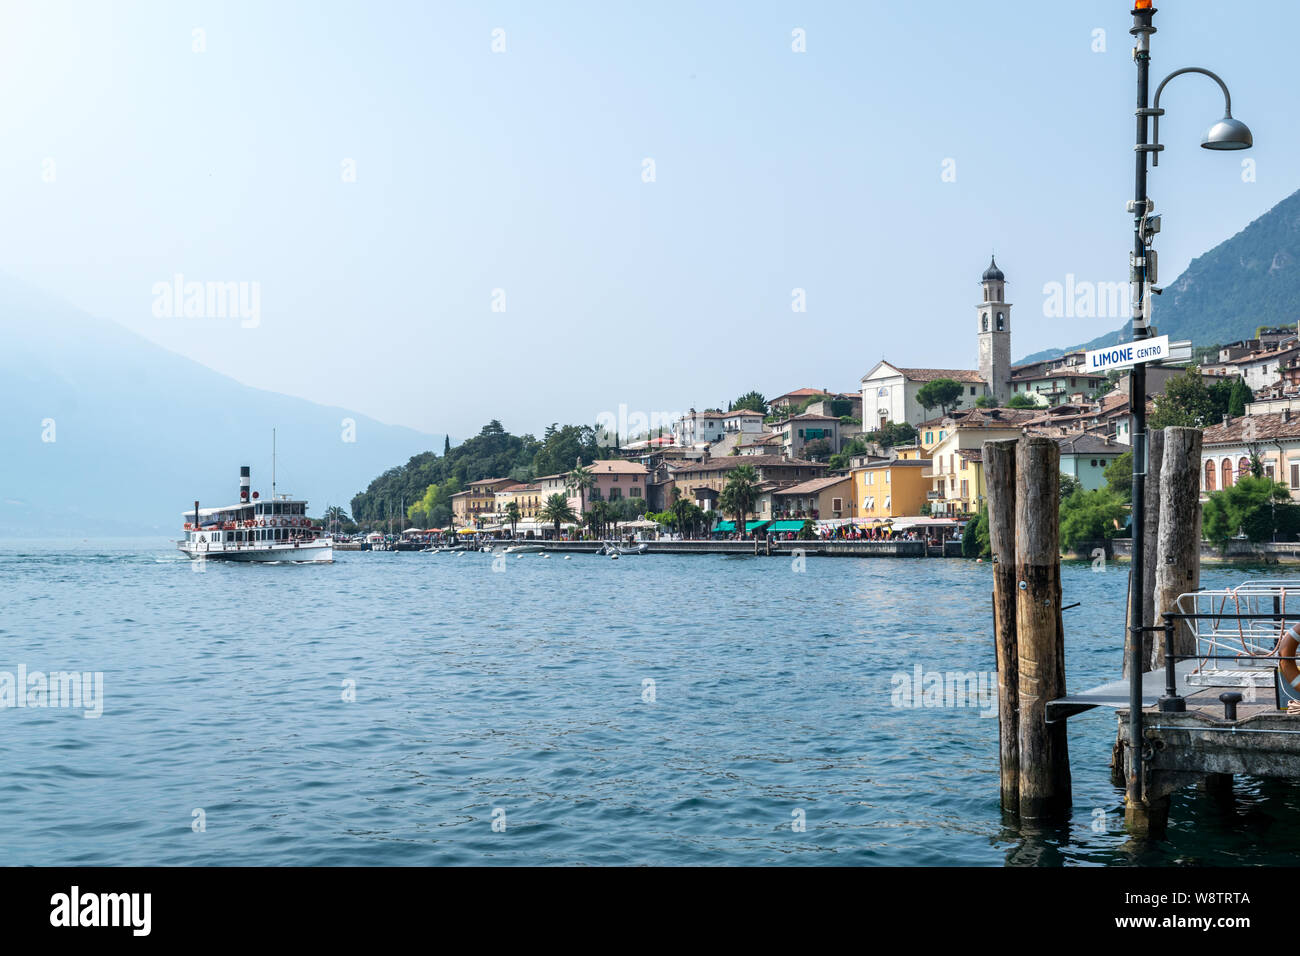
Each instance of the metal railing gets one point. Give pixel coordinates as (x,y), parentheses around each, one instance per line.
(1172,701)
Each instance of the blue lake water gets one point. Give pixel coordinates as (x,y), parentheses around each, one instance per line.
(522,696)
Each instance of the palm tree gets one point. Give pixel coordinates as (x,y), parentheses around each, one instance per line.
(739,494)
(596,516)
(580,480)
(558,511)
(335,516)
(681,509)
(512,514)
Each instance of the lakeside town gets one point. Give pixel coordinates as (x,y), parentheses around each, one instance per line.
(900,457)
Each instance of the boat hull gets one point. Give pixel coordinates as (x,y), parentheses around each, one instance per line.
(307,553)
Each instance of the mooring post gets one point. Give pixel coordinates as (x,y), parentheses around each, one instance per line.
(1000,486)
(1178,551)
(1040,645)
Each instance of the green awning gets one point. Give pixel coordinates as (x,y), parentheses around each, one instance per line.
(725,526)
(753,525)
(786,526)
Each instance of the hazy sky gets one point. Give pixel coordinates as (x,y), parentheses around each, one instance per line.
(129,157)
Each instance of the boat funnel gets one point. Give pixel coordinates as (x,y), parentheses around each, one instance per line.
(243,484)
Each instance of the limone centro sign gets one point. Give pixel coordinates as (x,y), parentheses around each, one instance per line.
(1128,353)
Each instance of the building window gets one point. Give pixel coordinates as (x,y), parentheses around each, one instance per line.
(1227,473)
(1209,476)
(1295,476)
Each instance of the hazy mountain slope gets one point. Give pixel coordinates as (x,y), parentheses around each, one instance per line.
(1250,280)
(140,432)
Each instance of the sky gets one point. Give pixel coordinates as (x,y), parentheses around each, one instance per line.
(439,233)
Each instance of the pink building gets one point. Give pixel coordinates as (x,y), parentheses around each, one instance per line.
(617,479)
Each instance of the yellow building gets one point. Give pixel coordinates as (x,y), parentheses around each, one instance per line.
(529,498)
(957,480)
(890,489)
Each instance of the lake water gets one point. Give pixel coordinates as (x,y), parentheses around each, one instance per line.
(523,696)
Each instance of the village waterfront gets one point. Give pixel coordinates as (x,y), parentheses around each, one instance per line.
(408,708)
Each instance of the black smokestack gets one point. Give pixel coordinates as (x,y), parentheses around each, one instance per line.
(243,484)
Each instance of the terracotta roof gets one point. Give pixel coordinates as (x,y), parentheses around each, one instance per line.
(809,417)
(1253,428)
(930,374)
(1261,356)
(800,393)
(896,462)
(813,486)
(617,466)
(986,418)
(735,461)
(971,454)
(743,411)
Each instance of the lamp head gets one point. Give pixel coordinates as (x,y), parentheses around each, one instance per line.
(1228,133)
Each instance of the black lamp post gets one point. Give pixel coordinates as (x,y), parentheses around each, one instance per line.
(1227,134)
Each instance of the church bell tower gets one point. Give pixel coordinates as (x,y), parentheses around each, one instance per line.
(995,334)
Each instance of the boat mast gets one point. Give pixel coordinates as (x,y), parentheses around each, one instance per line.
(272,464)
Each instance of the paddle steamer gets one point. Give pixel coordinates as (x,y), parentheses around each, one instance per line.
(255,530)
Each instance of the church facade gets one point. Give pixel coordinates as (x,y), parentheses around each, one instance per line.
(889,392)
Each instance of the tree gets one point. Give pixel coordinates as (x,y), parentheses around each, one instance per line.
(1090,516)
(941,393)
(1238,396)
(1021,400)
(817,450)
(985,401)
(446,445)
(1069,485)
(975,536)
(844,457)
(739,494)
(513,515)
(751,401)
(1248,507)
(557,511)
(890,434)
(1119,476)
(581,480)
(1188,402)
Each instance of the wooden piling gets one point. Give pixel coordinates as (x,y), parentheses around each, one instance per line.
(1044,760)
(1000,485)
(1178,549)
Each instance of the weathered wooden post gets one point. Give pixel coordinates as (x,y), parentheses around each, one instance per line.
(1178,551)
(1150,539)
(1000,483)
(1040,645)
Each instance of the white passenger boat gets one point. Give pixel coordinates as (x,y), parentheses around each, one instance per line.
(255,530)
(524,549)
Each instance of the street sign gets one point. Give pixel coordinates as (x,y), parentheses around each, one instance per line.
(1127,353)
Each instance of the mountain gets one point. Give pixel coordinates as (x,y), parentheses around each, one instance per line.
(139,432)
(1250,280)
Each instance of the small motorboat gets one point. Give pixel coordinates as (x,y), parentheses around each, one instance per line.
(615,550)
(524,548)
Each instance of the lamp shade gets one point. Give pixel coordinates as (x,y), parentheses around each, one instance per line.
(1228,133)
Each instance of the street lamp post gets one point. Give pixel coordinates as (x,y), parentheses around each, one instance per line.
(1228,133)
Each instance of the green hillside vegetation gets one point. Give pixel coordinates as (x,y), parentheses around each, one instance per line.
(420,491)
(1243,283)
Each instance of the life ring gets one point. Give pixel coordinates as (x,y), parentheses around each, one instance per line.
(1287,648)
